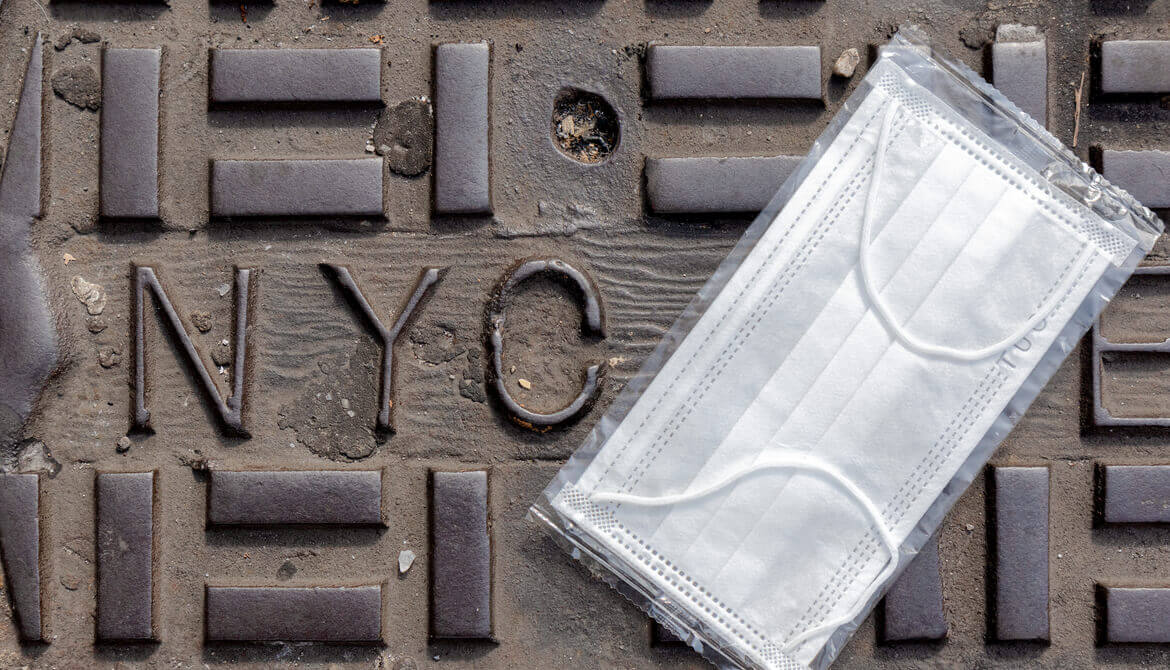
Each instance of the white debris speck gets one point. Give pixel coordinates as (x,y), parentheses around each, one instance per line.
(223,290)
(405,560)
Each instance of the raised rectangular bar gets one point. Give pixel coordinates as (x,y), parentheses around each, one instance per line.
(20,549)
(1137,615)
(295,75)
(1020,71)
(318,187)
(1141,173)
(325,497)
(1136,494)
(461,570)
(129,133)
(1135,66)
(350,614)
(713,185)
(914,605)
(1021,553)
(734,72)
(462,129)
(125,556)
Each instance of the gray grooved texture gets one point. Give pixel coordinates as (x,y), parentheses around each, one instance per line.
(1135,615)
(711,185)
(1142,173)
(129,127)
(914,604)
(1021,553)
(296,614)
(295,75)
(1135,66)
(462,129)
(307,497)
(321,187)
(461,570)
(20,548)
(734,72)
(1020,70)
(1137,494)
(125,556)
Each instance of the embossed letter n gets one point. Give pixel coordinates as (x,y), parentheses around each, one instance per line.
(230,412)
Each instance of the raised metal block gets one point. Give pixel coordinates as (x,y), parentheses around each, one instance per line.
(462,129)
(1141,173)
(1135,66)
(914,604)
(714,185)
(1136,494)
(319,187)
(1020,71)
(1137,615)
(125,556)
(344,614)
(129,145)
(321,497)
(1021,552)
(734,72)
(295,75)
(461,555)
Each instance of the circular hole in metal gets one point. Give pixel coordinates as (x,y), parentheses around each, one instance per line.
(584,126)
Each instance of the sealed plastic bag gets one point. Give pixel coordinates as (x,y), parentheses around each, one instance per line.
(806,424)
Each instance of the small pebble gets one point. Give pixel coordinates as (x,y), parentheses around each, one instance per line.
(202,321)
(847,63)
(524,383)
(405,560)
(109,357)
(123,445)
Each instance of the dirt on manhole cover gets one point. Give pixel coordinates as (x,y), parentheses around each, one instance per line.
(584,126)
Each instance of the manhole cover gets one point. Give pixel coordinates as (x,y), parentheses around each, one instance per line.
(259,260)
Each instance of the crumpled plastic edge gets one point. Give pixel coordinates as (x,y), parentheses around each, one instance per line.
(1019,134)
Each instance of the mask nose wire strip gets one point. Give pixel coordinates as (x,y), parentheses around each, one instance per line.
(791,460)
(900,332)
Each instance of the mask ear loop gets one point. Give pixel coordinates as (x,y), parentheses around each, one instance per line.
(791,460)
(900,332)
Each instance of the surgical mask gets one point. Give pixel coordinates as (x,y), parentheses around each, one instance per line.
(843,384)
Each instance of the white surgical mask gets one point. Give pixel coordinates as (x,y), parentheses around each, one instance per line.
(767,482)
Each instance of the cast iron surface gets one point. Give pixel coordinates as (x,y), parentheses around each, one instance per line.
(321,386)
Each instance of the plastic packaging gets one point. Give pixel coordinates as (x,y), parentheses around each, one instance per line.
(1112,220)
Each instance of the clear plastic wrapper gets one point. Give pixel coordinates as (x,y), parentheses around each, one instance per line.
(805,425)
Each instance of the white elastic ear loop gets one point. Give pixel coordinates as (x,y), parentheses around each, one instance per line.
(791,460)
(908,339)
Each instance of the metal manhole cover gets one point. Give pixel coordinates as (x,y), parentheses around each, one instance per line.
(258,261)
